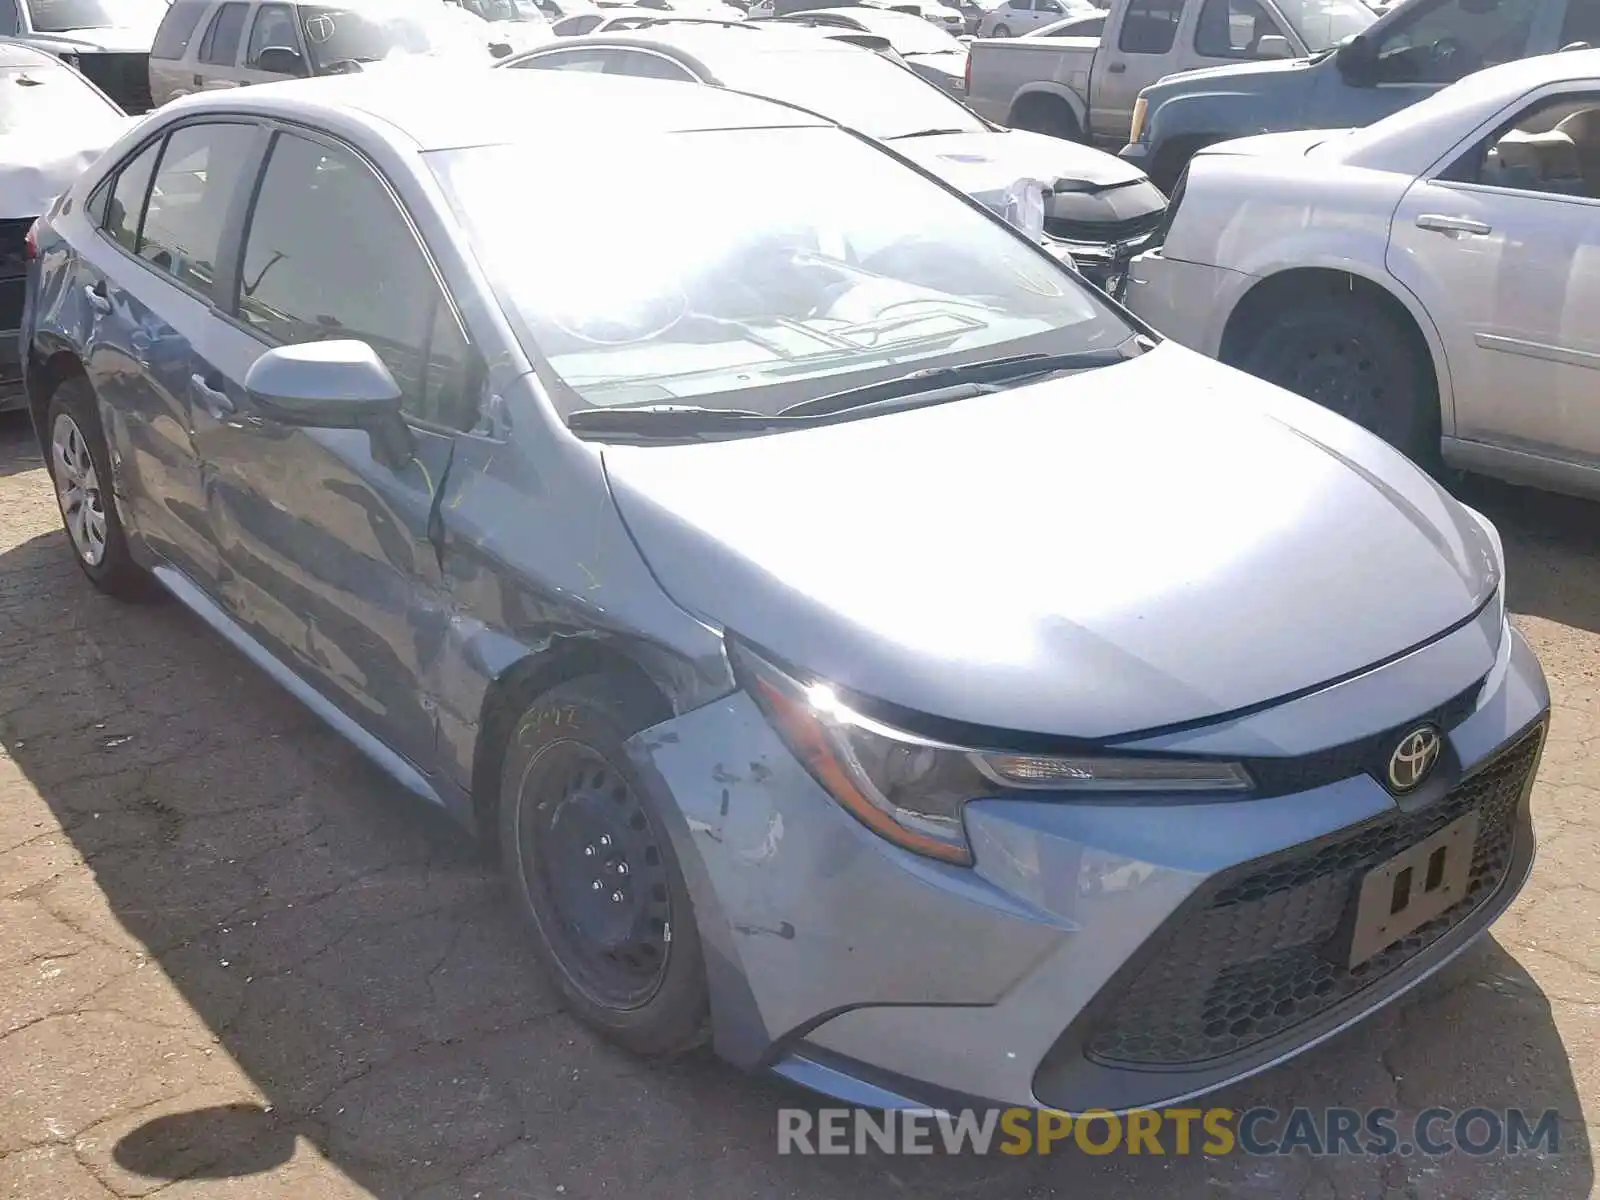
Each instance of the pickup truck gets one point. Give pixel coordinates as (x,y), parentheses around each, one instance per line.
(1413,50)
(1085,87)
(1273,65)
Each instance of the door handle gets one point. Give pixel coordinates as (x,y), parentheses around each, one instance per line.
(199,80)
(213,399)
(96,295)
(1117,68)
(1452,225)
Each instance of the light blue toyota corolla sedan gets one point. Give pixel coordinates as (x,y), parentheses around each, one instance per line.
(869,648)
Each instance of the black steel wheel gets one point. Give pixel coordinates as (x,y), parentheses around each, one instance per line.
(593,868)
(1345,351)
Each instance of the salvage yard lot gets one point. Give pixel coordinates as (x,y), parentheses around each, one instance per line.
(235,961)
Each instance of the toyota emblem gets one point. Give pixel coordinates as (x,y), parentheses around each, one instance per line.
(1414,758)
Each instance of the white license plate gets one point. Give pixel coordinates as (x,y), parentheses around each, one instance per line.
(1413,888)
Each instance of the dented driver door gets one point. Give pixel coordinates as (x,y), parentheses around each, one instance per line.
(324,534)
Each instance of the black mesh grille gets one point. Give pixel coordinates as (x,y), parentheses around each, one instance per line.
(1263,953)
(123,77)
(13,271)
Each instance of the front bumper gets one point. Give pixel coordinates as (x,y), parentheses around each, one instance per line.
(1188,302)
(1059,971)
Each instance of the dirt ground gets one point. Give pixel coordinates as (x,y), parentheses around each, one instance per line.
(236,962)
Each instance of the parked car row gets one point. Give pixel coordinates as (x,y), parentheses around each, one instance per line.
(868,647)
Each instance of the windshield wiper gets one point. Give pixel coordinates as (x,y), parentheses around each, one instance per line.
(927,383)
(900,137)
(930,385)
(671,421)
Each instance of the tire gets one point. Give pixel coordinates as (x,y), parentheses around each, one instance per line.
(1001,31)
(1344,351)
(80,469)
(581,833)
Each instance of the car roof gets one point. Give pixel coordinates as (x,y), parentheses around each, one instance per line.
(493,107)
(17,55)
(867,14)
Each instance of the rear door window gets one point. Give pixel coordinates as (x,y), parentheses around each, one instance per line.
(177,27)
(127,198)
(194,187)
(221,45)
(1149,26)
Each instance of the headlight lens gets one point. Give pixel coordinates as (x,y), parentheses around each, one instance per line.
(1499,550)
(912,791)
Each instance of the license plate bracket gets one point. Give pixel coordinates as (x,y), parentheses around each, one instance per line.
(1413,887)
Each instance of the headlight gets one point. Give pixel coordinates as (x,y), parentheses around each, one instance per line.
(1499,549)
(912,790)
(1136,130)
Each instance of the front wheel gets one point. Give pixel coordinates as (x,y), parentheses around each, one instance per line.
(1001,31)
(1347,353)
(593,872)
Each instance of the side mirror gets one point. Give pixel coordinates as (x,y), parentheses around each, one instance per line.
(281,60)
(1274,45)
(332,385)
(1356,60)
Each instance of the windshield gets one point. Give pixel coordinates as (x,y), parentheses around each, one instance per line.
(58,16)
(1325,23)
(779,264)
(370,34)
(908,34)
(50,99)
(854,87)
(505,10)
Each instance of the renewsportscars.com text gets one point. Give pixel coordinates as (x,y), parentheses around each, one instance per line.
(1434,1132)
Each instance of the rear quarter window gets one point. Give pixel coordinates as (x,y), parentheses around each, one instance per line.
(177,27)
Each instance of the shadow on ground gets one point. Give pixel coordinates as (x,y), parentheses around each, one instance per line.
(18,450)
(350,953)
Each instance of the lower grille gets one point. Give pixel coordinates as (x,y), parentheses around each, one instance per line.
(123,77)
(1263,954)
(1102,231)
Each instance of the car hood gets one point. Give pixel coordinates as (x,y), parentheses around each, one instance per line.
(1251,78)
(1121,190)
(38,168)
(1148,544)
(1295,144)
(114,41)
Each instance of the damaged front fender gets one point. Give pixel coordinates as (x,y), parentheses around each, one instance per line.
(803,912)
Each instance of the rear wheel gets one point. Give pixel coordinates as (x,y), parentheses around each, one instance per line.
(80,468)
(1040,113)
(1342,349)
(1001,31)
(593,870)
